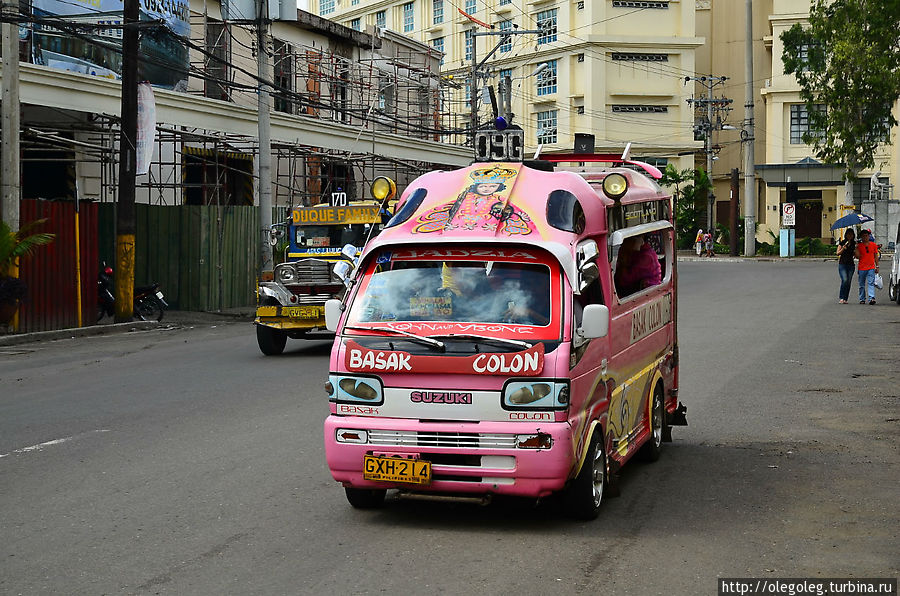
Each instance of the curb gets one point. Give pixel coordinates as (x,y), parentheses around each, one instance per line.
(173,319)
(111,329)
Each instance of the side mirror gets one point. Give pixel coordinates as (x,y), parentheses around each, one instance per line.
(349,252)
(587,275)
(332,314)
(587,253)
(594,321)
(342,270)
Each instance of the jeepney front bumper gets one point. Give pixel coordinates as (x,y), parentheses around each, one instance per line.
(291,311)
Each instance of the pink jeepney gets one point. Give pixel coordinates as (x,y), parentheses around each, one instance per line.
(511,332)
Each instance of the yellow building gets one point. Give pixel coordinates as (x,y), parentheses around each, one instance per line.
(782,159)
(612,68)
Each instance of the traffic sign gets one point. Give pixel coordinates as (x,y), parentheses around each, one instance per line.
(789,214)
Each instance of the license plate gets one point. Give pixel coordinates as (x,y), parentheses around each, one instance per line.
(395,469)
(302,312)
(160,295)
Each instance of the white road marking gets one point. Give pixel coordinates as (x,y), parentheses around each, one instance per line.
(40,446)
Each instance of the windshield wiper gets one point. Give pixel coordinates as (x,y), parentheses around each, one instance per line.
(419,338)
(486,339)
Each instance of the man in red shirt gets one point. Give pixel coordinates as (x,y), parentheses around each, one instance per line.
(867,253)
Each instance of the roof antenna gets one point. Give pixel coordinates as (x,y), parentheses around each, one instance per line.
(537,152)
(625,153)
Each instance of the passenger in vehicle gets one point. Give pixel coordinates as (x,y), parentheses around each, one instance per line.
(637,267)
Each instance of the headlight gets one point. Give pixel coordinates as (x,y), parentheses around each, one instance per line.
(355,389)
(615,186)
(540,394)
(285,273)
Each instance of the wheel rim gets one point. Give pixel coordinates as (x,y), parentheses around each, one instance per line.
(598,474)
(656,419)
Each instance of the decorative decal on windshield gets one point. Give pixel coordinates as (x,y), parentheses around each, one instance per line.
(527,362)
(484,205)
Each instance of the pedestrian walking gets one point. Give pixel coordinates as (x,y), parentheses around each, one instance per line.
(846,250)
(708,241)
(866,252)
(698,242)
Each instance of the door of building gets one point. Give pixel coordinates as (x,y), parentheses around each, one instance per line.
(809,214)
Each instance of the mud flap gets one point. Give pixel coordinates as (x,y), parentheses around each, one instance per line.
(676,418)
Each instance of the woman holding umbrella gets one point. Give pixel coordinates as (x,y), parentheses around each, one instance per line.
(846,250)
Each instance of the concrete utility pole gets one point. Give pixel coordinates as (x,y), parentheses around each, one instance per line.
(265,139)
(125,224)
(747,138)
(9,136)
(710,104)
(473,80)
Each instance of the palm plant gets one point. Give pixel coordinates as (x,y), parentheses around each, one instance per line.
(14,245)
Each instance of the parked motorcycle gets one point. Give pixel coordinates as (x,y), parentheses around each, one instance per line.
(149,302)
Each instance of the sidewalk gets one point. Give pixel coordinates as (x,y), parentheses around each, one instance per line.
(691,256)
(171,319)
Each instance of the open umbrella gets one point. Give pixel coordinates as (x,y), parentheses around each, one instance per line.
(854,219)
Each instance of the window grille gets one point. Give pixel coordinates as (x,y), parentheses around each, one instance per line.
(637,57)
(326,7)
(800,123)
(639,109)
(636,4)
(507,45)
(437,11)
(546,22)
(408,17)
(546,126)
(546,80)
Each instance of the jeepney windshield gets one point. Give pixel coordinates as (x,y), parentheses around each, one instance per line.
(398,290)
(331,236)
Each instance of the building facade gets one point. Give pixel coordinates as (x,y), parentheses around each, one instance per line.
(612,68)
(787,169)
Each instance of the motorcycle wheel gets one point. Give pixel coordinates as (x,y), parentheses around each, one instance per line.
(149,309)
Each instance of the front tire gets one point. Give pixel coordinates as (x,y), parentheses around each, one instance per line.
(149,309)
(894,292)
(271,341)
(365,498)
(651,450)
(584,495)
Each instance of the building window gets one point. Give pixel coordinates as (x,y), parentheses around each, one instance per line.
(471,7)
(438,44)
(506,45)
(354,2)
(633,4)
(580,4)
(470,41)
(355,24)
(408,17)
(581,57)
(437,9)
(381,19)
(546,126)
(468,93)
(546,22)
(505,73)
(546,80)
(639,109)
(326,7)
(284,76)
(216,64)
(638,57)
(800,123)
(504,2)
(579,109)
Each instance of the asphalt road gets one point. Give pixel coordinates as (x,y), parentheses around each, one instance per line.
(182,461)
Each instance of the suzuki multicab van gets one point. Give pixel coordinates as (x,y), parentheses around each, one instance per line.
(510,332)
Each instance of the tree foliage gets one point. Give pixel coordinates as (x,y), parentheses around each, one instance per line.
(691,191)
(847,59)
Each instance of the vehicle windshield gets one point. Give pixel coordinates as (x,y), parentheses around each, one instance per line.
(399,290)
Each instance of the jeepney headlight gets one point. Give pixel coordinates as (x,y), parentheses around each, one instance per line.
(285,273)
(615,186)
(351,435)
(536,394)
(356,389)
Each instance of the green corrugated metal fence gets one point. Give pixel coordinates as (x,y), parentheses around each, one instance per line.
(203,257)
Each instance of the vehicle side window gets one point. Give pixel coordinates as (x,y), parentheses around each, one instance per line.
(642,262)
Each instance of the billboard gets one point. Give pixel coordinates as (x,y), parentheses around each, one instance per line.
(58,42)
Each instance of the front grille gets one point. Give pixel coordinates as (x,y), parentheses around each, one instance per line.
(442,439)
(313,272)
